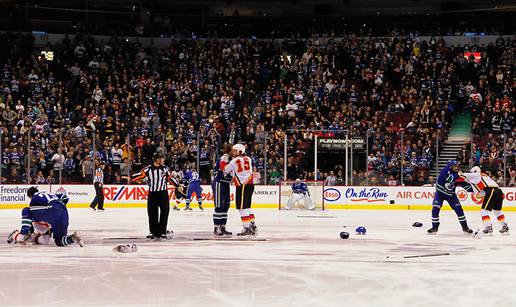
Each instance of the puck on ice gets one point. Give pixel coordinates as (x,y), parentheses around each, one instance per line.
(417,224)
(344,235)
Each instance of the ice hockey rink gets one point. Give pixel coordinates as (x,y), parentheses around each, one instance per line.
(298,259)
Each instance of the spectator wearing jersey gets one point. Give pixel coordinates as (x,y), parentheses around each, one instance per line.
(116,157)
(204,164)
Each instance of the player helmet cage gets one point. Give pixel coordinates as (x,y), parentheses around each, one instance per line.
(31,191)
(475,169)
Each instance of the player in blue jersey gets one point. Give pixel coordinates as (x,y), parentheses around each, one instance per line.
(221,193)
(46,216)
(194,185)
(447,180)
(300,192)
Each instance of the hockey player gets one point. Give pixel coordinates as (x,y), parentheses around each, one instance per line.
(46,215)
(180,187)
(445,191)
(484,186)
(241,168)
(300,192)
(194,185)
(221,193)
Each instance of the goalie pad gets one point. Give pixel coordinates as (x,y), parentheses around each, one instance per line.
(296,197)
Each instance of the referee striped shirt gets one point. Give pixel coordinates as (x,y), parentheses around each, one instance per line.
(99,176)
(157,177)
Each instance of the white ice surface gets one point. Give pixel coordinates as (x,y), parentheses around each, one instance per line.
(302,263)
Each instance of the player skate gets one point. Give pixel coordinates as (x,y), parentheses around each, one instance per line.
(246,232)
(467,230)
(78,239)
(432,231)
(253,228)
(220,231)
(488,229)
(505,229)
(168,236)
(16,237)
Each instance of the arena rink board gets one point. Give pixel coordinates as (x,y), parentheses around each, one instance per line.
(335,197)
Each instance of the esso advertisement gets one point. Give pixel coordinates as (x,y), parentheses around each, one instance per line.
(332,195)
(358,195)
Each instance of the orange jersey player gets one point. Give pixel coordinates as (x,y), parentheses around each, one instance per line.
(241,168)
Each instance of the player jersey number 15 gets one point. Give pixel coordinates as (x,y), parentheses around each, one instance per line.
(245,167)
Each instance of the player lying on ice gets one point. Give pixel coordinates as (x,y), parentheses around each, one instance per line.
(485,187)
(445,191)
(300,192)
(45,217)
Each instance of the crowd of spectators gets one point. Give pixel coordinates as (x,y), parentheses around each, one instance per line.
(118,102)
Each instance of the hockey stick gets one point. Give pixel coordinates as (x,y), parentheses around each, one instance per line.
(427,255)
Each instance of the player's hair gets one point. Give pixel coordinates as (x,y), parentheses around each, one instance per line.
(158,155)
(31,191)
(226,148)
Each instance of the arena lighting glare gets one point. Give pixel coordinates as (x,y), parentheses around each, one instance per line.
(48,55)
(286,57)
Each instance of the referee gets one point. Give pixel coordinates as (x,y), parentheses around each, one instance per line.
(157,175)
(98,183)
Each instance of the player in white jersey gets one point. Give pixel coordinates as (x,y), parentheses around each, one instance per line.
(484,186)
(241,168)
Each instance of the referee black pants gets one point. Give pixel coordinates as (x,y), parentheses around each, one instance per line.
(158,208)
(99,197)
